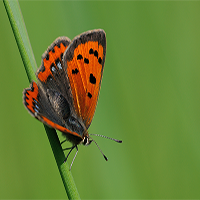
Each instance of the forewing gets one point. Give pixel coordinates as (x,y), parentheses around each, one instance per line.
(84,60)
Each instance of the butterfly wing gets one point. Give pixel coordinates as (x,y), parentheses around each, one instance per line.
(84,60)
(51,111)
(51,73)
(51,99)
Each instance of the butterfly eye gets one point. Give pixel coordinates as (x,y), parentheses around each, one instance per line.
(86,141)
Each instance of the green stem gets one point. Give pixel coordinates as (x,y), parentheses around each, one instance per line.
(21,36)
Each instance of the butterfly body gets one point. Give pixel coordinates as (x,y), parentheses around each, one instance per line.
(68,84)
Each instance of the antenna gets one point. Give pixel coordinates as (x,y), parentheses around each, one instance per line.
(119,141)
(99,148)
(71,148)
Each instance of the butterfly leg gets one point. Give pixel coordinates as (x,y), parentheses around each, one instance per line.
(73,158)
(71,148)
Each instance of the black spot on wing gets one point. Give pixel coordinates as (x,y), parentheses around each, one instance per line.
(92,79)
(47,57)
(96,53)
(61,56)
(89,95)
(75,71)
(79,57)
(86,61)
(100,60)
(91,51)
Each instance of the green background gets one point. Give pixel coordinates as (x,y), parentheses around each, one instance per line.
(150,98)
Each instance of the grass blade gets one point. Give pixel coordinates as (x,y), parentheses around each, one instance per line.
(22,39)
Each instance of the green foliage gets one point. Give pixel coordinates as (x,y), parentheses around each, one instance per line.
(149,98)
(21,36)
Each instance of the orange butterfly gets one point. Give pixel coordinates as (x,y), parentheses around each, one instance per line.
(69,81)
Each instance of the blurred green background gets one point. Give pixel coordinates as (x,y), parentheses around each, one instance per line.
(150,98)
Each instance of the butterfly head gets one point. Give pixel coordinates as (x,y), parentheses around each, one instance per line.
(86,141)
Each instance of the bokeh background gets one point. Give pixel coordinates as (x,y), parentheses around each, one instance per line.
(150,98)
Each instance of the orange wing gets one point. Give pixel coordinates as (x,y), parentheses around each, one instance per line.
(39,106)
(84,60)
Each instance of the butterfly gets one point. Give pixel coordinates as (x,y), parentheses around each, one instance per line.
(68,84)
